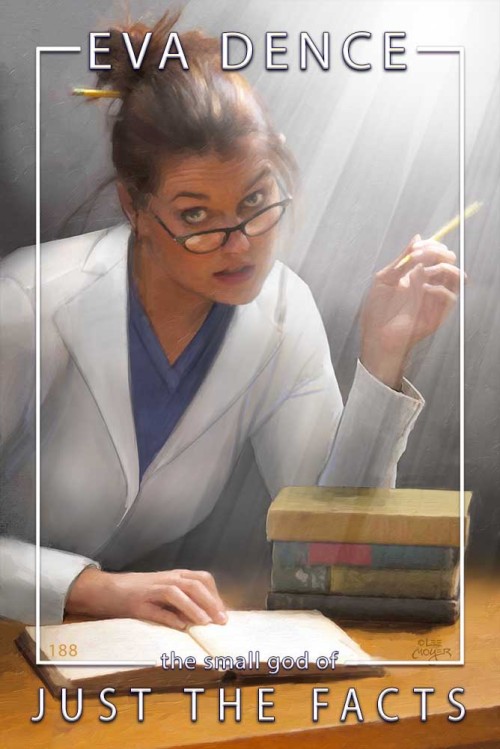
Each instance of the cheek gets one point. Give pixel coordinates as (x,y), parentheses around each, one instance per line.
(264,246)
(179,264)
(194,271)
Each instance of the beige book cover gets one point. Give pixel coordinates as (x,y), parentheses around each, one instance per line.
(417,517)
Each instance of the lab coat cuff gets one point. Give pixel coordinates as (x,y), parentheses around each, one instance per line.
(85,567)
(59,571)
(407,403)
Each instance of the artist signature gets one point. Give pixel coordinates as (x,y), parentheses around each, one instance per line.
(431,650)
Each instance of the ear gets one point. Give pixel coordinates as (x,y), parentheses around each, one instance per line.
(126,203)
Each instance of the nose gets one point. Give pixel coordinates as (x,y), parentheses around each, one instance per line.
(237,242)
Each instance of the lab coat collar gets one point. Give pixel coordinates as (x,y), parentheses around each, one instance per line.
(93,325)
(107,250)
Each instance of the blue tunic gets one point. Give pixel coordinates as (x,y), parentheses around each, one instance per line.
(161,392)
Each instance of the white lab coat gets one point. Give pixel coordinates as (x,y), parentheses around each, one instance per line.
(272,382)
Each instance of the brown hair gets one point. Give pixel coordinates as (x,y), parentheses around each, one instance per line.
(173,111)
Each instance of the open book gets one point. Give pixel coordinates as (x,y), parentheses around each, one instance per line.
(262,644)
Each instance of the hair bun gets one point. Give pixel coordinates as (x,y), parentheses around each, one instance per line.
(121,75)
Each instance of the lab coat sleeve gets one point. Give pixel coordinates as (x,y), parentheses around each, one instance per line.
(309,437)
(58,569)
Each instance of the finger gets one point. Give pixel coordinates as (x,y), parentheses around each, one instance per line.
(430,243)
(208,580)
(154,613)
(404,255)
(432,253)
(415,247)
(445,274)
(415,279)
(173,595)
(392,272)
(176,577)
(203,575)
(204,597)
(409,247)
(441,293)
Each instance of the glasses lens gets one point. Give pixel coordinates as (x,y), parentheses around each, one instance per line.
(205,242)
(264,221)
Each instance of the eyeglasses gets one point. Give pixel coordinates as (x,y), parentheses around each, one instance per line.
(203,242)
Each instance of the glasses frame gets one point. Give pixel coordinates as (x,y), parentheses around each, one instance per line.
(183,238)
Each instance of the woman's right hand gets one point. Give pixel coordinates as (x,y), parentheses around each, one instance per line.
(175,598)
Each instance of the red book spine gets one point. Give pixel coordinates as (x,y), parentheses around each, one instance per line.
(324,553)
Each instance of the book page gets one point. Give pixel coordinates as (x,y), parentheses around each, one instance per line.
(277,633)
(129,640)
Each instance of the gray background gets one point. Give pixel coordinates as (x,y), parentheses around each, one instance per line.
(378,153)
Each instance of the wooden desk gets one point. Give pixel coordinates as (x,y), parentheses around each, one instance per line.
(167,716)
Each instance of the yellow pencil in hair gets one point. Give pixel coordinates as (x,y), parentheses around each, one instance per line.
(96,93)
(469,211)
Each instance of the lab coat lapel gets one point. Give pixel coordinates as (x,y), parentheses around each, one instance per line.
(93,325)
(253,336)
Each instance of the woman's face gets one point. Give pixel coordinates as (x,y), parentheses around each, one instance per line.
(202,192)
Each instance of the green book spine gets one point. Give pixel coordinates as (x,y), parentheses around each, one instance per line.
(300,579)
(364,581)
(370,608)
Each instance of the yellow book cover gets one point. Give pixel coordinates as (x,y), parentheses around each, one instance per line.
(419,517)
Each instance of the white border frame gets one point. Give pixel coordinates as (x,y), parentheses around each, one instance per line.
(460,50)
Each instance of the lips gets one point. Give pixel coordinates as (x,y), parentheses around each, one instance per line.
(235,275)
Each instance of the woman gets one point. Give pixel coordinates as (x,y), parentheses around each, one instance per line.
(170,341)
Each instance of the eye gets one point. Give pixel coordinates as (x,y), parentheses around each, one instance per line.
(255,199)
(194,215)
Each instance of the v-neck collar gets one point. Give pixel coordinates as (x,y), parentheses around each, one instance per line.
(172,374)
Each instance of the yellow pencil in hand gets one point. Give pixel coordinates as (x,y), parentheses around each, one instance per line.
(469,211)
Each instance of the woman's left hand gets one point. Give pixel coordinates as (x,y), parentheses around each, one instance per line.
(405,305)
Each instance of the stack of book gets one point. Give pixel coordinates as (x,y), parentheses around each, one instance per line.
(367,554)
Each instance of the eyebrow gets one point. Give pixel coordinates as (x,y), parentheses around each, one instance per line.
(201,196)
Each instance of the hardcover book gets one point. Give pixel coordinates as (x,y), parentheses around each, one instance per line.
(370,608)
(377,556)
(244,647)
(364,581)
(417,517)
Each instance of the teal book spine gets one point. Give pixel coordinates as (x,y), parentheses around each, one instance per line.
(376,556)
(414,557)
(290,553)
